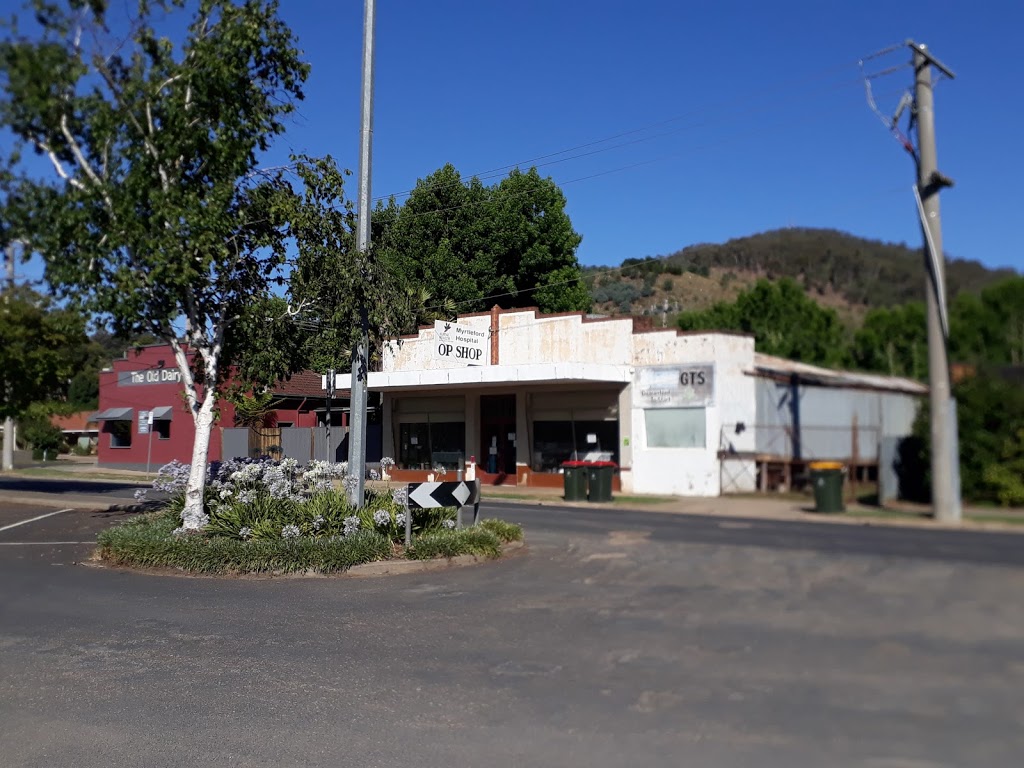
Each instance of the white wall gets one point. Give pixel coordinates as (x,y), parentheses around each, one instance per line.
(697,471)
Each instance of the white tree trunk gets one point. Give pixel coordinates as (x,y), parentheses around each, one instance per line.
(193,516)
(8,458)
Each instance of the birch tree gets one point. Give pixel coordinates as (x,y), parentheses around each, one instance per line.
(155,213)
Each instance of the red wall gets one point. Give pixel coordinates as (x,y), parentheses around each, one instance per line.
(159,386)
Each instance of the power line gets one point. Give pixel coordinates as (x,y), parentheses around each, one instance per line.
(692,113)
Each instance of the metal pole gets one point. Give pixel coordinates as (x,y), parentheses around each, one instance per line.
(330,395)
(7,462)
(408,520)
(360,367)
(945,464)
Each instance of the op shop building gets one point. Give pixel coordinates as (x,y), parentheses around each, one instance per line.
(680,413)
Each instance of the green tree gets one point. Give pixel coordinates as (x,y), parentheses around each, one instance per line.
(893,341)
(465,242)
(783,320)
(989,328)
(40,349)
(990,418)
(158,217)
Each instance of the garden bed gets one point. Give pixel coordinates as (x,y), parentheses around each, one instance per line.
(269,517)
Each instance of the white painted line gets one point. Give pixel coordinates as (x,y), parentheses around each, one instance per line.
(735,526)
(38,544)
(33,519)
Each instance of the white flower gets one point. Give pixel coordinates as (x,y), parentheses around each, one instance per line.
(245,532)
(448,524)
(318,522)
(290,532)
(400,519)
(382,517)
(226,493)
(350,525)
(386,463)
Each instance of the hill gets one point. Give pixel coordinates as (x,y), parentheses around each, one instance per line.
(849,273)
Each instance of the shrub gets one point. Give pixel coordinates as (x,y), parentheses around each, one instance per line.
(507,532)
(667,284)
(150,542)
(475,540)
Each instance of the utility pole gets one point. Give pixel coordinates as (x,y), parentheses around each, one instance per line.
(945,443)
(360,362)
(7,462)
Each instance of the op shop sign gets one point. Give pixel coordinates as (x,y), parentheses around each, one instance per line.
(674,386)
(461,344)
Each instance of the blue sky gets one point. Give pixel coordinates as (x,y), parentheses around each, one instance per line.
(761,116)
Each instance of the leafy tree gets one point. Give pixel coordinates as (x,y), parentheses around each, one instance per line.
(84,389)
(465,242)
(893,341)
(783,320)
(990,328)
(40,349)
(990,418)
(158,217)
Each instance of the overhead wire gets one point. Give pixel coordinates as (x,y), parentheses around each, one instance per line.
(490,173)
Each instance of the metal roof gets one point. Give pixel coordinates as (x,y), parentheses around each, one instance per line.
(112,414)
(769,366)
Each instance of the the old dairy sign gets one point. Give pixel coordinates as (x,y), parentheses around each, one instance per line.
(460,343)
(150,376)
(674,386)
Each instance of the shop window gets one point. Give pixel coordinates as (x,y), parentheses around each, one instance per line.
(162,427)
(676,427)
(555,442)
(426,445)
(120,434)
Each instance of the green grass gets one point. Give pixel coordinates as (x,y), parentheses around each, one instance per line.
(148,542)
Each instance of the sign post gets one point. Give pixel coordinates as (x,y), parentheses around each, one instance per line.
(146,428)
(435,495)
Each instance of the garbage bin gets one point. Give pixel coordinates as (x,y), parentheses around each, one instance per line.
(827,479)
(574,477)
(599,478)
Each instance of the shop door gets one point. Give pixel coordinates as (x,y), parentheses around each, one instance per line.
(498,434)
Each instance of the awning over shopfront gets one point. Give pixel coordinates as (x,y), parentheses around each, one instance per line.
(500,375)
(163,413)
(112,414)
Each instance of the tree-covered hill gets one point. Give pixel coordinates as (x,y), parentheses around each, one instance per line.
(843,270)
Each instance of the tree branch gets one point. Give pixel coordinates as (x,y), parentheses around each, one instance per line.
(82,162)
(58,165)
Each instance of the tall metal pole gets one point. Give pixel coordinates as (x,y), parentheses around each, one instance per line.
(7,462)
(945,461)
(360,367)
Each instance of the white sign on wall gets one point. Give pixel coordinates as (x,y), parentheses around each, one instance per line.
(674,386)
(460,343)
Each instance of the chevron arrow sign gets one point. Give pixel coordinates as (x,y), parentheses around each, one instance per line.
(431,495)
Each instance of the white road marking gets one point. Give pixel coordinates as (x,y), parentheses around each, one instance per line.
(735,526)
(33,519)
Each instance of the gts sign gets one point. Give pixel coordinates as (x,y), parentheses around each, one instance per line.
(693,378)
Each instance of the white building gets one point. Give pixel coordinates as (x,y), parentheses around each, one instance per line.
(523,392)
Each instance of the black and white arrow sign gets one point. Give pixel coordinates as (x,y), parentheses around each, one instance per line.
(431,495)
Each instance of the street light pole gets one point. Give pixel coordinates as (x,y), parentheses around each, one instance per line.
(360,366)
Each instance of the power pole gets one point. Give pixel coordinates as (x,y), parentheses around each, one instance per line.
(945,443)
(7,462)
(360,363)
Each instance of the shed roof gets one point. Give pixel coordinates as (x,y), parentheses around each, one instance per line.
(769,366)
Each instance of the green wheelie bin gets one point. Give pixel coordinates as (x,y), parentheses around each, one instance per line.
(599,479)
(574,477)
(827,479)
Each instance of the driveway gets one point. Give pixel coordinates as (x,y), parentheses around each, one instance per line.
(617,639)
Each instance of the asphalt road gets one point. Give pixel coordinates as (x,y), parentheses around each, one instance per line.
(112,489)
(618,639)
